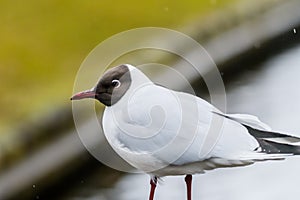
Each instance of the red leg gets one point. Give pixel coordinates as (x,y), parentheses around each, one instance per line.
(188,181)
(153,183)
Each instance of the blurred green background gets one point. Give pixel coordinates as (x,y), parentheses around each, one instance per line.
(42,44)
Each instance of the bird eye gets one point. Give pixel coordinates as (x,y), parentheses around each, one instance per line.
(116,83)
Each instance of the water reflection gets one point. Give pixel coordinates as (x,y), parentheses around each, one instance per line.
(272,93)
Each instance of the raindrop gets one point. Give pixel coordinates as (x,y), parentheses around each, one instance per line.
(295,31)
(257,45)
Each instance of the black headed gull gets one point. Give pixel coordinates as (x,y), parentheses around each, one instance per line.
(163,132)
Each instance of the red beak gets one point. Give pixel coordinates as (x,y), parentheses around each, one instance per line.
(84,95)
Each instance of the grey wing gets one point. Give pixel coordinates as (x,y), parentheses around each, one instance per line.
(211,135)
(239,137)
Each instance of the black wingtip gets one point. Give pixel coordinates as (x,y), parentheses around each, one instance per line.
(264,138)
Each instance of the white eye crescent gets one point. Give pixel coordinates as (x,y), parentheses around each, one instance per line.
(116,83)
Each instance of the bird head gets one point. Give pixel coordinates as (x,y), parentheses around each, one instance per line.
(111,87)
